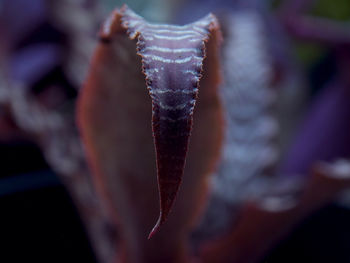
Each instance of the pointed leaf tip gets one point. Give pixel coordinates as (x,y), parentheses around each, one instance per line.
(155,228)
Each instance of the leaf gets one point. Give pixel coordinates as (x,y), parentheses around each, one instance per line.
(265,221)
(125,148)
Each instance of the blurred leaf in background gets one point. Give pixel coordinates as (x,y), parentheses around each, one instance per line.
(333,9)
(153,10)
(310,53)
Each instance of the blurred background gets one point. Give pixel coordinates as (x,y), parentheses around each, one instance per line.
(45,48)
